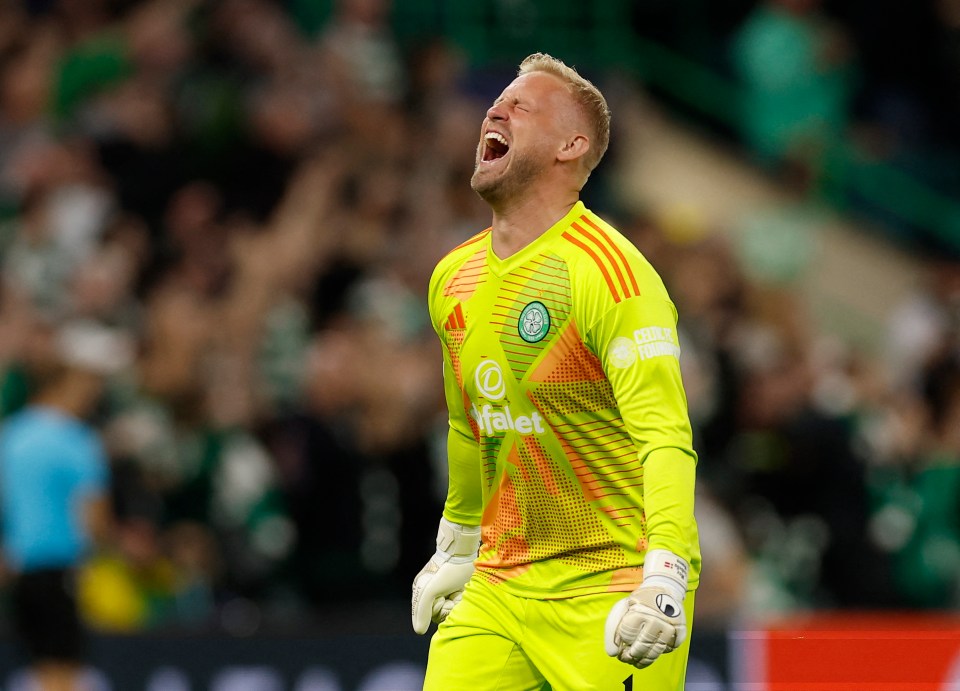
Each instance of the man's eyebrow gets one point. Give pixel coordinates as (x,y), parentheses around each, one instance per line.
(512,99)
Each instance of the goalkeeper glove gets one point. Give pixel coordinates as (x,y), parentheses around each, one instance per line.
(439,585)
(651,621)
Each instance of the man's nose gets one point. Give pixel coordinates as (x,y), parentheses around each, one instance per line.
(496,112)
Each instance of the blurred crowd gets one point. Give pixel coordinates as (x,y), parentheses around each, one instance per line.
(258,208)
(861,96)
(259,211)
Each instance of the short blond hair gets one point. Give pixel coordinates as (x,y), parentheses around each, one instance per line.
(587,96)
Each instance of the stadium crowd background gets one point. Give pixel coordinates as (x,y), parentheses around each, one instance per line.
(255,192)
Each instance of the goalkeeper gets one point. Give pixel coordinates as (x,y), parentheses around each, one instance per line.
(567,554)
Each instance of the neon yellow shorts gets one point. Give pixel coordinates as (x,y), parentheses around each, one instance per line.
(495,641)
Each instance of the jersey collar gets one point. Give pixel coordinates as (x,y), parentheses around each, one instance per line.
(501,267)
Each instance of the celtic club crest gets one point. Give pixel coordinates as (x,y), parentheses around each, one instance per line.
(534,322)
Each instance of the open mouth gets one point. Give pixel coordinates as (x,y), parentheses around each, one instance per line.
(494,146)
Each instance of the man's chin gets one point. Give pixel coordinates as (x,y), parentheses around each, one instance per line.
(489,190)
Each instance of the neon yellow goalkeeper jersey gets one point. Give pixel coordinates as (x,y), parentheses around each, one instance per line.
(562,377)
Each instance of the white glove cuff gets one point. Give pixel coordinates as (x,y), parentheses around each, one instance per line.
(663,568)
(458,543)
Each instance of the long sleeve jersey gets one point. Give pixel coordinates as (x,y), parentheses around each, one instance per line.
(569,441)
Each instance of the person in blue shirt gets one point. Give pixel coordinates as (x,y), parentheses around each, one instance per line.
(54,487)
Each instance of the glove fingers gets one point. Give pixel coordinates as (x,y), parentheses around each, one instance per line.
(611,637)
(422,601)
(441,608)
(651,621)
(438,606)
(641,655)
(637,629)
(443,611)
(421,611)
(681,635)
(642,639)
(421,620)
(433,587)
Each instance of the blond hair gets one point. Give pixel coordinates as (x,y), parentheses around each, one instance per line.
(587,96)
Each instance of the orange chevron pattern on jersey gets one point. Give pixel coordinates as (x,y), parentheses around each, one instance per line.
(559,472)
(609,258)
(471,272)
(455,328)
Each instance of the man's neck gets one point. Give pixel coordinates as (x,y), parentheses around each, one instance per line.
(517,225)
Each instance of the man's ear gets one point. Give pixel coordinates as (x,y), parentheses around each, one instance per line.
(574,148)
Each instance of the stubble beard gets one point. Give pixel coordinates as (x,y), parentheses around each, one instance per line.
(500,189)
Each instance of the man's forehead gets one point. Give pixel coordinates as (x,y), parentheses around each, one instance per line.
(534,82)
